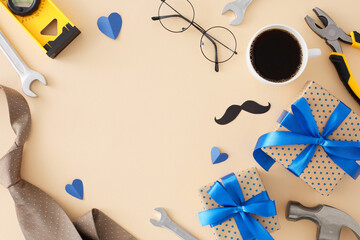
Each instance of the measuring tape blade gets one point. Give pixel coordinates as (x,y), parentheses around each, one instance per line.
(35,16)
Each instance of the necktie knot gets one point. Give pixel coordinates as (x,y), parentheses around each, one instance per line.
(10,166)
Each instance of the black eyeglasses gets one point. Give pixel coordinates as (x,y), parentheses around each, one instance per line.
(218,44)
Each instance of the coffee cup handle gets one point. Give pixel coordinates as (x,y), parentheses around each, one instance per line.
(315,52)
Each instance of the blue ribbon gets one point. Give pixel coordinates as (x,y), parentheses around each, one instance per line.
(231,198)
(304,130)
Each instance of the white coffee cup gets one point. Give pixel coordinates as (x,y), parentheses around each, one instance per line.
(306,53)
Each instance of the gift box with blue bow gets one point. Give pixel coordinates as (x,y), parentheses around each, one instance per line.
(238,207)
(318,141)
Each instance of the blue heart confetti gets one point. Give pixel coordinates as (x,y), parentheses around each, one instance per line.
(76,189)
(110,26)
(217,157)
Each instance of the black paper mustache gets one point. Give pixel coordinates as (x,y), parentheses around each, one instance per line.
(234,110)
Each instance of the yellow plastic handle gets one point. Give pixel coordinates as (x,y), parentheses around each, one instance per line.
(355,36)
(342,67)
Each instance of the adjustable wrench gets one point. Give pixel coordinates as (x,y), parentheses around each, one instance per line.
(166,222)
(26,74)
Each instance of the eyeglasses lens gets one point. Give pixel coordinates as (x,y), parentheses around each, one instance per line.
(176,15)
(225,43)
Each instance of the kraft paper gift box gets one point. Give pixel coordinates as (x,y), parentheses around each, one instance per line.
(321,173)
(251,186)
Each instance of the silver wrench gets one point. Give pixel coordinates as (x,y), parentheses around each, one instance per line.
(26,74)
(238,7)
(166,222)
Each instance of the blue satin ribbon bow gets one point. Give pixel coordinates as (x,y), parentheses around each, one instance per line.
(231,198)
(304,130)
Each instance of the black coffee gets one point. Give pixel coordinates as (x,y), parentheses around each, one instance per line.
(276,55)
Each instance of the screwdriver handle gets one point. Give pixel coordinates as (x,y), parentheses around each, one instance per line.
(342,67)
(355,37)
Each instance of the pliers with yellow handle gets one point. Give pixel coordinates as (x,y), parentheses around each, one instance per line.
(332,34)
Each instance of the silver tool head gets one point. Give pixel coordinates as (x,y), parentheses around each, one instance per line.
(164,218)
(330,220)
(238,7)
(28,79)
(331,32)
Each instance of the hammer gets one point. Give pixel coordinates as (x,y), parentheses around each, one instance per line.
(330,220)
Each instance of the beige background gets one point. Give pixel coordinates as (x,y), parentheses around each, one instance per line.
(133,118)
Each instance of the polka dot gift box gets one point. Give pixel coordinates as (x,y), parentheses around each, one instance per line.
(321,162)
(239,219)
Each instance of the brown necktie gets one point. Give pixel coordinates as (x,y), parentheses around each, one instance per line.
(40,217)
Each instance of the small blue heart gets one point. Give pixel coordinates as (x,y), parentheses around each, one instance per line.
(217,157)
(76,189)
(110,26)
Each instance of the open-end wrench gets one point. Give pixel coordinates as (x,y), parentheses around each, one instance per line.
(238,7)
(26,74)
(166,222)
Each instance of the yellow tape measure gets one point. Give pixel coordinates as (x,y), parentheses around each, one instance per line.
(35,16)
